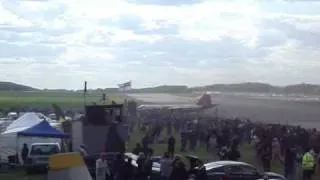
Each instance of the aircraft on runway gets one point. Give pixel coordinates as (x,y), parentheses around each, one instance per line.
(203,103)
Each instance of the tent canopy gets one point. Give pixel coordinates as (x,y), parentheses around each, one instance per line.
(43,129)
(24,122)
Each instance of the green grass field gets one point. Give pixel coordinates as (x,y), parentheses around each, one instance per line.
(247,155)
(46,99)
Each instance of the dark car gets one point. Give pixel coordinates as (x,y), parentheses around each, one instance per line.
(155,164)
(233,170)
(91,162)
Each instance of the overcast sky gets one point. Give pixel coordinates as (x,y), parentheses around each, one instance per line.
(61,43)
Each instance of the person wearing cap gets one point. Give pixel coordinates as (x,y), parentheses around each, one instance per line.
(102,168)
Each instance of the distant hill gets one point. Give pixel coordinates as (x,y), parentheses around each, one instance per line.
(302,89)
(241,87)
(262,88)
(163,89)
(9,86)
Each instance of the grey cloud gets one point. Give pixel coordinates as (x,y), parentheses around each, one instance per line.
(307,38)
(10,50)
(46,31)
(271,38)
(164,29)
(135,24)
(45,14)
(187,53)
(291,7)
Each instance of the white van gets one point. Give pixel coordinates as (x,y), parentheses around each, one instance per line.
(13,115)
(38,157)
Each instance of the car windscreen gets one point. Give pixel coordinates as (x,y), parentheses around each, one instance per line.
(45,149)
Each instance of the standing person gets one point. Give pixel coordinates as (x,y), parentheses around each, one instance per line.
(165,166)
(140,173)
(276,150)
(266,156)
(179,171)
(171,144)
(308,165)
(183,141)
(24,153)
(118,167)
(213,146)
(102,168)
(128,170)
(289,163)
(148,165)
(137,149)
(201,171)
(208,137)
(223,153)
(234,153)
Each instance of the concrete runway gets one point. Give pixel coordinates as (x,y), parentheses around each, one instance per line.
(269,110)
(162,98)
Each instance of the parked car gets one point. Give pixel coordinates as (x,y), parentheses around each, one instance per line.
(38,157)
(155,163)
(91,162)
(233,170)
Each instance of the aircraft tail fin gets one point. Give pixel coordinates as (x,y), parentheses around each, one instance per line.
(205,100)
(59,113)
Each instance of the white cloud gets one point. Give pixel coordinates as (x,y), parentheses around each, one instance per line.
(10,19)
(58,44)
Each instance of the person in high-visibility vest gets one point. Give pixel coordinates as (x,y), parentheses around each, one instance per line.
(308,165)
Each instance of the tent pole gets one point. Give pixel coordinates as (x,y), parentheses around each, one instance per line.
(17,151)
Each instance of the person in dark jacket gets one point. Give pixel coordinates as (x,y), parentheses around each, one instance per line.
(183,141)
(201,171)
(128,170)
(118,167)
(137,149)
(148,165)
(141,172)
(171,144)
(266,156)
(289,163)
(24,153)
(233,154)
(179,171)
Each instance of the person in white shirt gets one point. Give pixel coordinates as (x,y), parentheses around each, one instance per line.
(165,166)
(276,149)
(102,168)
(213,146)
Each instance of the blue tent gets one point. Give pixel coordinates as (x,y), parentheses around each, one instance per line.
(43,129)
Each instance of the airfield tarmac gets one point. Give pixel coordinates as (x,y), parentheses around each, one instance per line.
(270,110)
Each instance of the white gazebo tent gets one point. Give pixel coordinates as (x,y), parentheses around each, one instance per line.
(11,142)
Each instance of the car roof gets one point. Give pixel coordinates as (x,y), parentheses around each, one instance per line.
(35,144)
(217,164)
(134,157)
